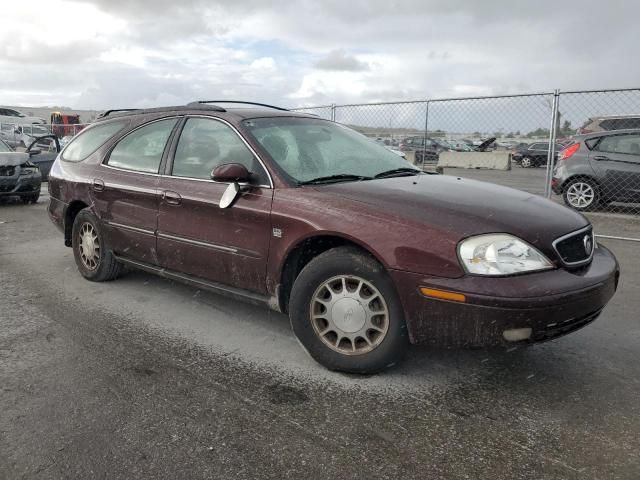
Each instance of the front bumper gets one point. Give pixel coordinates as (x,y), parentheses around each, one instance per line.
(550,303)
(20,185)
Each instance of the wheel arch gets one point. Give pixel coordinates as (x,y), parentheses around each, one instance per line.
(70,214)
(580,176)
(306,249)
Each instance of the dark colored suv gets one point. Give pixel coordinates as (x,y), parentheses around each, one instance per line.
(598,169)
(362,250)
(534,154)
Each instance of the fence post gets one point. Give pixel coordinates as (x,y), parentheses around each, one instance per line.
(333,112)
(426,129)
(551,153)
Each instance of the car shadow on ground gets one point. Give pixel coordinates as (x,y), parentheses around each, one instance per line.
(244,329)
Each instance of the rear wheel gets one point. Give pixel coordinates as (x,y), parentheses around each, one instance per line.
(582,194)
(346,313)
(93,258)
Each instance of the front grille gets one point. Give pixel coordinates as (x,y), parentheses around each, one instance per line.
(553,330)
(7,171)
(575,248)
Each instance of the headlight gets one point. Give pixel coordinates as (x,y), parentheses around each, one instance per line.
(500,254)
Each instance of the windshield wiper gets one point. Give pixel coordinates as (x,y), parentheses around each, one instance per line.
(342,177)
(398,172)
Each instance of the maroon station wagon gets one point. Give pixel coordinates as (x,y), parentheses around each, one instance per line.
(364,252)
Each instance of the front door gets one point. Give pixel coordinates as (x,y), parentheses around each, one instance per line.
(196,236)
(616,159)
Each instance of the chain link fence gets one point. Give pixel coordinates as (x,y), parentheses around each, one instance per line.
(523,141)
(21,136)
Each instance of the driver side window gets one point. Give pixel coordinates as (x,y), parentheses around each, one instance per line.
(205,144)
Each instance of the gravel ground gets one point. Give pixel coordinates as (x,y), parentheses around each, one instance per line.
(146,378)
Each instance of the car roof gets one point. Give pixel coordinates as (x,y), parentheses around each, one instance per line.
(606,133)
(240,113)
(608,117)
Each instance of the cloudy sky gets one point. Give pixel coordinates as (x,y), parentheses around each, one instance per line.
(98,54)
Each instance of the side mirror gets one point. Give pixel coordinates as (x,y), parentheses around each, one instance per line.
(229,195)
(35,151)
(230,172)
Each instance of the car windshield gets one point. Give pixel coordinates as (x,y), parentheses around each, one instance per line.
(308,148)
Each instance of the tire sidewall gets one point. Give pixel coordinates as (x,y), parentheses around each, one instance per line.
(85,216)
(336,262)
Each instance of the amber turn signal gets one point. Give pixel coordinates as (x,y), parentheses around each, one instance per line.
(442,294)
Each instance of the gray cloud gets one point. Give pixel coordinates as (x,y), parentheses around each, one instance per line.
(340,60)
(176,51)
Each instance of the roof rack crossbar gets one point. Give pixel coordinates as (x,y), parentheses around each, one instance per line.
(198,102)
(106,113)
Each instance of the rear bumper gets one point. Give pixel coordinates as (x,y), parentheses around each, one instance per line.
(57,211)
(551,304)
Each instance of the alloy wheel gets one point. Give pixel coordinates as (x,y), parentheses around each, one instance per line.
(580,194)
(349,315)
(89,246)
(526,162)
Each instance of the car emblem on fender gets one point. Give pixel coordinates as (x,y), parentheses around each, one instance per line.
(588,244)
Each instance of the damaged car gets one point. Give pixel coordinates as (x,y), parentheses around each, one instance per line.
(19,177)
(365,253)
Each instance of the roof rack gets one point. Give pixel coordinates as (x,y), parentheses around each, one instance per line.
(131,111)
(199,102)
(106,113)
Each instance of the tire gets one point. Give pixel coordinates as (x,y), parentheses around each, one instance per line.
(97,265)
(368,288)
(526,162)
(582,194)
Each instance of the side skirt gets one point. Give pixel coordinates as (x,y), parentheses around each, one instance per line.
(225,290)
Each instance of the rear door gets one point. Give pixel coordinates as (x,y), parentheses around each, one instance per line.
(125,190)
(197,237)
(616,159)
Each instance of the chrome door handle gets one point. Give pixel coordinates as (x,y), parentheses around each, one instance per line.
(600,158)
(97,185)
(171,198)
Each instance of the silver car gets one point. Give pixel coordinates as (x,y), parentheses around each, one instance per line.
(599,168)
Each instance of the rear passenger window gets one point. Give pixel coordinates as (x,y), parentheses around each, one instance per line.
(90,140)
(142,149)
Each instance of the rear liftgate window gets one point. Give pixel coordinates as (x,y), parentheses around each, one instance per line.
(90,140)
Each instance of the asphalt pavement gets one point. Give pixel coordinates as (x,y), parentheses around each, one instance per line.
(146,378)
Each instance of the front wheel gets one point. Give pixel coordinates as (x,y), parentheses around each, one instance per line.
(526,162)
(94,260)
(346,313)
(31,198)
(582,194)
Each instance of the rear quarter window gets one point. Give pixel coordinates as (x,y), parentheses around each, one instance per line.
(90,140)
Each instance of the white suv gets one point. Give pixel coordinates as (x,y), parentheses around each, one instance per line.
(8,115)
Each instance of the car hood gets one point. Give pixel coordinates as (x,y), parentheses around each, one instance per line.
(13,159)
(463,207)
